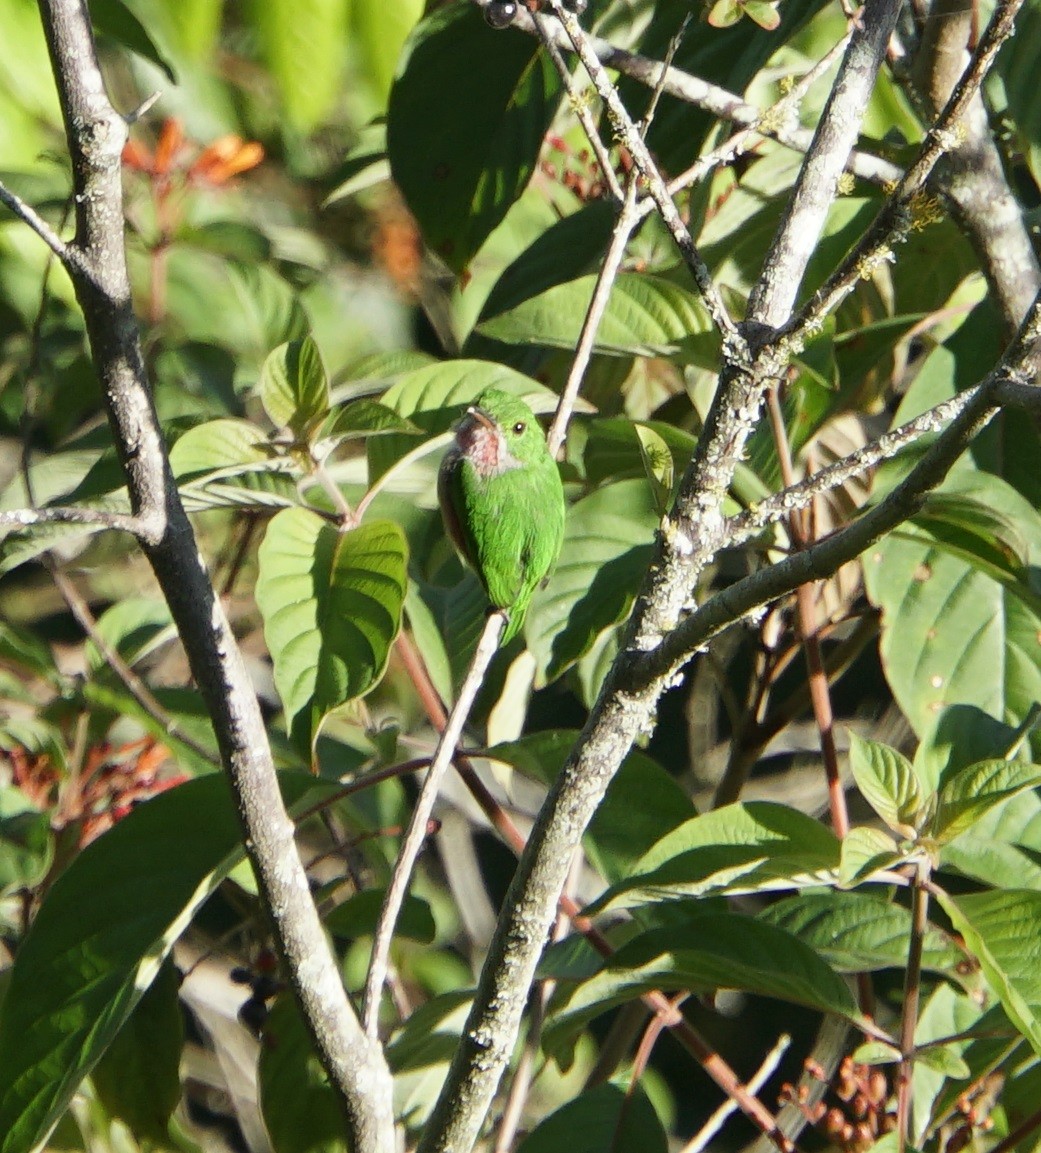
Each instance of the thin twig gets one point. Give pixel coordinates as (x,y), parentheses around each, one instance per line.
(580,107)
(629,135)
(67,253)
(605,277)
(417,829)
(718,101)
(134,685)
(820,695)
(912,995)
(719,1118)
(87,517)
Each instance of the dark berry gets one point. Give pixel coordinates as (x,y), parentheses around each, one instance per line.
(500,13)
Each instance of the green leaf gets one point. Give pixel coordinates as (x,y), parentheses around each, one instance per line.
(302,42)
(608,543)
(857,933)
(300,1110)
(357,916)
(294,389)
(133,627)
(566,250)
(465,123)
(970,793)
(98,941)
(992,658)
(888,783)
(709,952)
(137,1078)
(1003,931)
(228,462)
(363,418)
(603,1118)
(741,848)
(113,18)
(614,447)
(864,851)
(646,316)
(24,648)
(331,603)
(26,844)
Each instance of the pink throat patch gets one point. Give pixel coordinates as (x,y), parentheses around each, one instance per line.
(480,445)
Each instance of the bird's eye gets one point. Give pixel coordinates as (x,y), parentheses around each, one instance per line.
(519,427)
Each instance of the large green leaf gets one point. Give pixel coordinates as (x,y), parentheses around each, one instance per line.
(98,941)
(957,627)
(645,316)
(709,952)
(465,123)
(137,1078)
(741,848)
(970,793)
(606,1117)
(608,542)
(1003,931)
(855,932)
(331,603)
(566,250)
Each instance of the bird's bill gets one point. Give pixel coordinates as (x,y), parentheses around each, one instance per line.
(481,416)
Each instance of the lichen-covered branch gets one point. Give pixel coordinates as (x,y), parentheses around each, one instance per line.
(96,261)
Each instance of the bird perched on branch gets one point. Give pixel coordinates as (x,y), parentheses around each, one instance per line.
(502,501)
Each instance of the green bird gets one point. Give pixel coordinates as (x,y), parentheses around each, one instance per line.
(502,501)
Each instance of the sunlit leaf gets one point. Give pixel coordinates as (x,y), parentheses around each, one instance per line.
(467,102)
(331,603)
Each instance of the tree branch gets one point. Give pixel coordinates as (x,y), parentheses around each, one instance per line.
(137,526)
(416,834)
(896,215)
(720,102)
(96,134)
(972,174)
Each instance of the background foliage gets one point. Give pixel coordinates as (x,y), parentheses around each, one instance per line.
(345,219)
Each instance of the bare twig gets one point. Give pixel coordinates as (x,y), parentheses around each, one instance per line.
(815,189)
(623,229)
(137,526)
(417,828)
(719,1118)
(66,253)
(134,685)
(629,135)
(912,995)
(579,107)
(820,695)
